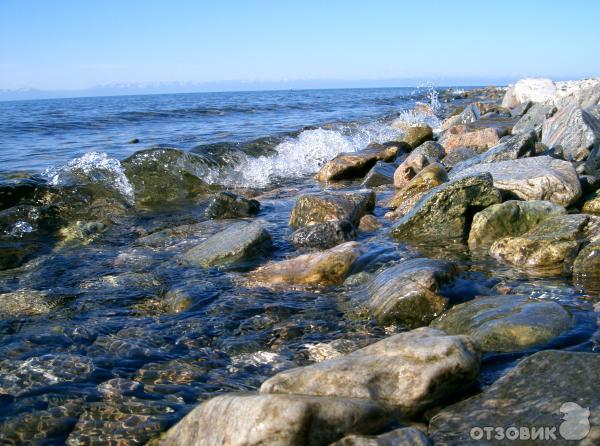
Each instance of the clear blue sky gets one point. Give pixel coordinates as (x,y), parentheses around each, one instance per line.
(74,44)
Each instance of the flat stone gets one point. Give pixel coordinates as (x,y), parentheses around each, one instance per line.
(328,267)
(406,436)
(506,323)
(427,153)
(238,241)
(407,372)
(537,178)
(461,136)
(538,393)
(330,206)
(442,213)
(511,218)
(575,130)
(323,235)
(380,174)
(237,419)
(408,293)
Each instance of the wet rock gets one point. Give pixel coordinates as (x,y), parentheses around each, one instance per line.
(537,178)
(406,436)
(575,130)
(445,210)
(323,235)
(551,245)
(356,164)
(528,89)
(511,218)
(250,419)
(82,232)
(379,175)
(238,241)
(534,118)
(538,393)
(321,268)
(328,206)
(407,372)
(591,204)
(514,147)
(427,153)
(408,293)
(587,262)
(171,236)
(369,223)
(26,303)
(160,175)
(118,387)
(230,205)
(462,136)
(416,135)
(506,323)
(459,155)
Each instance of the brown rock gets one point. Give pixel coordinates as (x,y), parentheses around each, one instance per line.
(311,209)
(460,136)
(427,153)
(417,135)
(369,223)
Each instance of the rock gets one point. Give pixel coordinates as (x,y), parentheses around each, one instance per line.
(417,135)
(328,267)
(444,211)
(458,155)
(379,175)
(134,141)
(408,293)
(534,118)
(249,419)
(587,262)
(521,109)
(329,206)
(323,235)
(506,323)
(352,165)
(552,245)
(528,89)
(461,136)
(369,223)
(160,175)
(238,241)
(407,372)
(591,204)
(583,93)
(471,113)
(230,205)
(502,125)
(406,436)
(537,178)
(427,153)
(403,201)
(518,146)
(511,218)
(589,184)
(16,253)
(26,303)
(532,395)
(575,130)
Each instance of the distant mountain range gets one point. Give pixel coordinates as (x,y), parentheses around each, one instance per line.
(120,89)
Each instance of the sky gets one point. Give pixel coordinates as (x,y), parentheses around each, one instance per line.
(79,44)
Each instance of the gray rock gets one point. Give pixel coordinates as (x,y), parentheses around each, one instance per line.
(534,118)
(379,175)
(521,109)
(406,436)
(586,267)
(230,205)
(408,372)
(509,218)
(459,155)
(323,235)
(506,323)
(442,213)
(331,206)
(408,293)
(537,178)
(531,395)
(470,114)
(249,419)
(427,153)
(240,240)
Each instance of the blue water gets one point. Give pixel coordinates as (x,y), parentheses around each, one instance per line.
(41,133)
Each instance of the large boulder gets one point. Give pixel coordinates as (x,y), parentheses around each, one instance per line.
(323,235)
(552,245)
(583,93)
(511,218)
(230,205)
(506,323)
(414,136)
(405,436)
(238,241)
(575,130)
(408,293)
(311,209)
(427,153)
(444,211)
(321,268)
(462,136)
(551,393)
(407,372)
(249,419)
(534,118)
(528,89)
(536,178)
(352,165)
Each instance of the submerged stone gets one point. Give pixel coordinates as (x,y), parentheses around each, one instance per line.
(323,235)
(230,205)
(330,206)
(427,153)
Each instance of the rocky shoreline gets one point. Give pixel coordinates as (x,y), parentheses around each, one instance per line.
(511,176)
